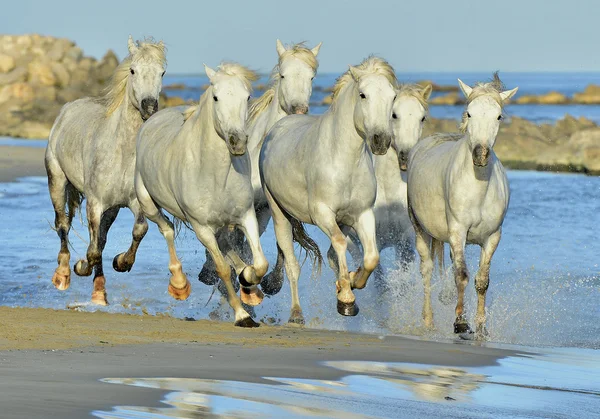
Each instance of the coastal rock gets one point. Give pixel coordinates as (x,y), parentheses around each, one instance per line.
(41,73)
(18,74)
(437,87)
(590,96)
(7,63)
(450,99)
(551,98)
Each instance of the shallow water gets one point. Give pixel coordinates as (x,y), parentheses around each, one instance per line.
(557,384)
(544,290)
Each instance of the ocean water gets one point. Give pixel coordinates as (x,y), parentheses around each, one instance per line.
(528,83)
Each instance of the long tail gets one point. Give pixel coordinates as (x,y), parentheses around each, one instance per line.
(309,245)
(437,252)
(448,293)
(74,200)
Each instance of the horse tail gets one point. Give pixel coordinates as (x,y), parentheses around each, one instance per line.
(74,200)
(179,224)
(309,245)
(437,252)
(448,293)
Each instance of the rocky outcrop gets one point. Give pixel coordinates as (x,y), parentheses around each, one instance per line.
(551,98)
(39,74)
(590,96)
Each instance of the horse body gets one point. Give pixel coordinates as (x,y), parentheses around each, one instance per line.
(458,193)
(192,162)
(319,170)
(91,153)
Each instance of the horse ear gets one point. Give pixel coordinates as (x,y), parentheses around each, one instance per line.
(316,49)
(161,44)
(466,89)
(354,72)
(507,94)
(131,45)
(209,72)
(280,48)
(426,92)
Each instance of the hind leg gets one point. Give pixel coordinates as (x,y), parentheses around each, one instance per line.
(84,267)
(99,293)
(423,245)
(57,186)
(285,242)
(124,261)
(179,286)
(482,281)
(457,241)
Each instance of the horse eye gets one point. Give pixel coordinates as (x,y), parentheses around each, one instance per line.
(131,71)
(215,99)
(281,75)
(248,98)
(423,119)
(312,78)
(163,74)
(500,118)
(394,115)
(468,115)
(362,96)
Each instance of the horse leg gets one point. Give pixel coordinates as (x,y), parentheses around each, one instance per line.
(326,221)
(423,246)
(457,241)
(273,281)
(208,239)
(99,292)
(124,261)
(84,267)
(251,276)
(57,186)
(285,243)
(365,228)
(482,280)
(179,286)
(351,245)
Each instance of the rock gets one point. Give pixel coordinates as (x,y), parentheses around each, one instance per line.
(60,72)
(7,63)
(41,73)
(175,86)
(19,74)
(75,53)
(436,87)
(590,96)
(591,159)
(551,98)
(106,67)
(58,50)
(22,92)
(449,99)
(45,93)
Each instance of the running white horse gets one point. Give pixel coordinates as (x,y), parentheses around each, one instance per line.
(91,152)
(289,93)
(458,193)
(394,228)
(319,170)
(193,163)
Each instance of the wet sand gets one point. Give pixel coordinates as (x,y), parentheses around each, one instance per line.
(17,161)
(51,361)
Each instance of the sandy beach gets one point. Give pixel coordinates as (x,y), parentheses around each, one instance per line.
(16,161)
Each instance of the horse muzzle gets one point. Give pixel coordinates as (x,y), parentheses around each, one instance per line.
(237,144)
(299,109)
(403,160)
(149,107)
(481,155)
(380,143)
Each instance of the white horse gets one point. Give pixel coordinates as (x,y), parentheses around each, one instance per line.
(289,93)
(193,163)
(319,170)
(458,193)
(91,152)
(394,228)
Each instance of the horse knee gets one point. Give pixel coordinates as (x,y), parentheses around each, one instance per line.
(371,261)
(426,267)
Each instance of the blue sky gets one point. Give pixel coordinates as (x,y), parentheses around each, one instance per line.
(417,35)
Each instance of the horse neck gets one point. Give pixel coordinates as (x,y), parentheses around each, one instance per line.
(344,141)
(463,160)
(127,121)
(265,121)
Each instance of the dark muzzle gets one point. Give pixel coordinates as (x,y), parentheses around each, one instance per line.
(237,144)
(380,143)
(149,107)
(299,109)
(403,160)
(481,155)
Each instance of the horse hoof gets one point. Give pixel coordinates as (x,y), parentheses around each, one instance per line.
(347,309)
(462,328)
(82,268)
(296,318)
(246,322)
(180,293)
(121,267)
(99,298)
(60,281)
(482,333)
(208,276)
(272,283)
(248,277)
(251,296)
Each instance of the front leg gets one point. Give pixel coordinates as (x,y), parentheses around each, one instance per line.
(457,239)
(123,262)
(365,228)
(482,280)
(251,276)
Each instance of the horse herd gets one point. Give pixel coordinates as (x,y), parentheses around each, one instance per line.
(224,167)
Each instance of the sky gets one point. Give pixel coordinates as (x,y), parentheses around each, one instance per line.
(416,35)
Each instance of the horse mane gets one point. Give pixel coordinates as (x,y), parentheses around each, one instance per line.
(413,90)
(231,69)
(114,92)
(371,65)
(491,88)
(260,104)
